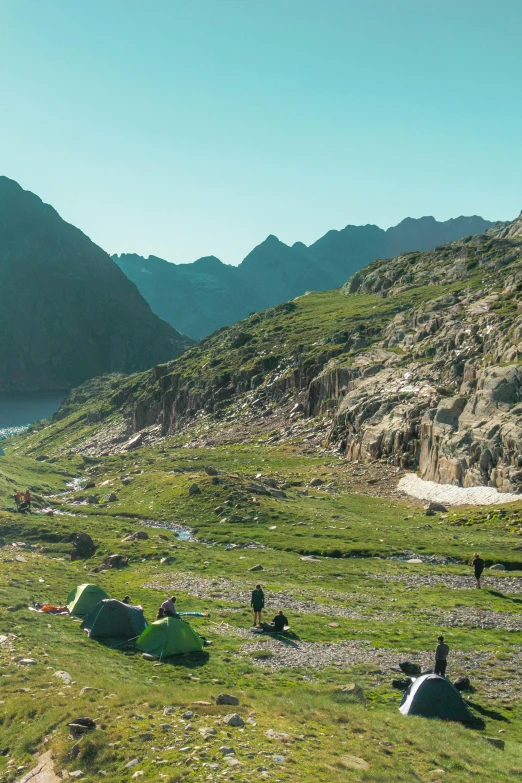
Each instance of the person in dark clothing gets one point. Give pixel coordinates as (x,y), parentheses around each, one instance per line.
(478,565)
(279,622)
(441,657)
(126,600)
(257,602)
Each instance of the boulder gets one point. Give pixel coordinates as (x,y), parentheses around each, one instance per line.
(111,498)
(234,720)
(93,499)
(434,506)
(139,535)
(410,668)
(210,471)
(114,561)
(257,567)
(194,490)
(498,567)
(83,546)
(462,684)
(495,741)
(355,690)
(227,698)
(401,683)
(64,677)
(316,482)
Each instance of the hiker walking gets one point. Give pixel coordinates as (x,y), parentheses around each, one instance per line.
(27,499)
(18,499)
(478,565)
(441,656)
(257,602)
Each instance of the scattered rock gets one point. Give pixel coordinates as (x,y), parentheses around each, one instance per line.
(188,715)
(111,498)
(87,688)
(231,761)
(498,567)
(93,499)
(131,764)
(226,751)
(429,512)
(227,698)
(81,726)
(353,762)
(278,759)
(114,561)
(234,720)
(166,710)
(257,567)
(202,703)
(210,471)
(194,490)
(316,482)
(207,732)
(146,736)
(64,676)
(27,662)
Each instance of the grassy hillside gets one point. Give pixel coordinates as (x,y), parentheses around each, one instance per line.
(352,619)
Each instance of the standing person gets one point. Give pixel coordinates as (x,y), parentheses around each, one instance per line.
(27,499)
(441,657)
(478,565)
(18,499)
(257,602)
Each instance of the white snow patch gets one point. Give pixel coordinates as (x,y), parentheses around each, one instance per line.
(453,496)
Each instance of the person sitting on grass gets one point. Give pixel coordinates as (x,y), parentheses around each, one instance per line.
(169,607)
(441,657)
(127,600)
(257,602)
(279,621)
(478,565)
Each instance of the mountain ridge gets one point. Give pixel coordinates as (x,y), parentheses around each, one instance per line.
(274,272)
(67,311)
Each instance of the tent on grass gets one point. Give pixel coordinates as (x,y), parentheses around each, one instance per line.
(83,598)
(432,696)
(114,618)
(169,636)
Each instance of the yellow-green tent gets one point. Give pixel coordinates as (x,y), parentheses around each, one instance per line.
(83,598)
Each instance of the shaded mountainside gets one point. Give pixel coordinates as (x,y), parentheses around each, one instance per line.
(416,362)
(201,297)
(67,312)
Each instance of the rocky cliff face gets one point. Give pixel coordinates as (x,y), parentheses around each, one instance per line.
(201,297)
(416,363)
(67,312)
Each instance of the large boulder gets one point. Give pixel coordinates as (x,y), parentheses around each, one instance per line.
(83,546)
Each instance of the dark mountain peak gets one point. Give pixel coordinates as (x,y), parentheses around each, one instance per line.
(208,263)
(81,316)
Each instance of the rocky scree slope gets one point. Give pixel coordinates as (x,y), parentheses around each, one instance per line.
(203,296)
(415,361)
(67,312)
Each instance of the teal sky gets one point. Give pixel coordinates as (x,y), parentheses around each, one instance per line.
(184,128)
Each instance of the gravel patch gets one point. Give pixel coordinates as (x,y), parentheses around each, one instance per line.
(216,589)
(506,585)
(482,618)
(449,495)
(506,683)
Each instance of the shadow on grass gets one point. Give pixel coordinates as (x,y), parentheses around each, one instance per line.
(192,660)
(488,713)
(498,594)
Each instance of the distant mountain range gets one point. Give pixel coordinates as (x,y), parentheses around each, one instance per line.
(67,312)
(202,296)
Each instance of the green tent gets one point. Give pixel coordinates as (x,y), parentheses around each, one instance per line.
(433,696)
(83,598)
(169,636)
(114,618)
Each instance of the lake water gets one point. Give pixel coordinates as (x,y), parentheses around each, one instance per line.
(19,409)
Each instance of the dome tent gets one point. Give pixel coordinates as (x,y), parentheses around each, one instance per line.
(169,636)
(114,618)
(83,598)
(433,696)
